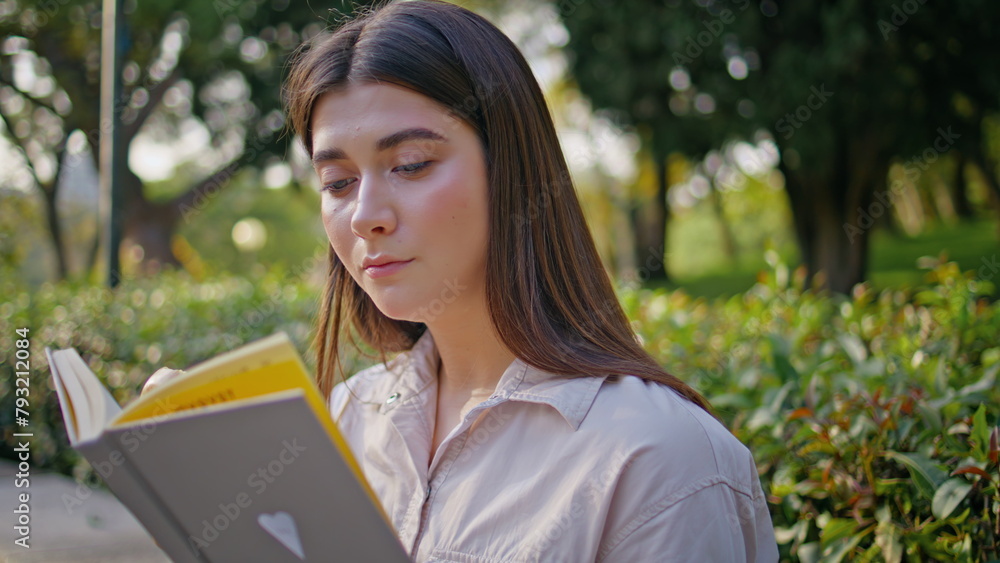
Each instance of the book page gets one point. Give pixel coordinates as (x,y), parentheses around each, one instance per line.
(101,404)
(273,349)
(200,392)
(77,398)
(65,400)
(264,366)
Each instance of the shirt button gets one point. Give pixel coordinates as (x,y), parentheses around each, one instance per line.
(392,398)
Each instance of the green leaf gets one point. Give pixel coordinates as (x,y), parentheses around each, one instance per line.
(926,475)
(809,552)
(948,496)
(980,432)
(887,538)
(836,553)
(779,357)
(854,347)
(985,383)
(836,529)
(931,417)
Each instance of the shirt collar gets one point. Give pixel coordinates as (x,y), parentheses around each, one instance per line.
(571,396)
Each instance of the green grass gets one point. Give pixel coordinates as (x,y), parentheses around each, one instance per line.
(892,259)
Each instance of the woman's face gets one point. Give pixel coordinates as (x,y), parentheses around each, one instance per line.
(403,181)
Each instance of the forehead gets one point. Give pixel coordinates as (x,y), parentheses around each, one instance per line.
(363,111)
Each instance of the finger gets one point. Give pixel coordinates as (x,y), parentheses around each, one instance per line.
(159,378)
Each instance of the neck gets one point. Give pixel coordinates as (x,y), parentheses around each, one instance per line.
(472,356)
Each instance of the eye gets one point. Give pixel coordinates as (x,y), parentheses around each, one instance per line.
(337,186)
(413,168)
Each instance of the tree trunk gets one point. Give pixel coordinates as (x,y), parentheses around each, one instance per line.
(959,190)
(728,239)
(989,170)
(148,225)
(152,225)
(833,213)
(651,230)
(55,228)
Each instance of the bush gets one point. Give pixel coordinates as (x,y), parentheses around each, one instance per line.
(872,417)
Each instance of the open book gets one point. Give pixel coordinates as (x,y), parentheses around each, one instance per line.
(237,460)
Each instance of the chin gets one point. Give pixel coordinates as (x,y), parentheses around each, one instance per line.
(399,310)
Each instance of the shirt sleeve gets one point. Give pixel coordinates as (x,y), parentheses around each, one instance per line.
(718,522)
(338,400)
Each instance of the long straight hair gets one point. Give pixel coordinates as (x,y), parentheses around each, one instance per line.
(549,297)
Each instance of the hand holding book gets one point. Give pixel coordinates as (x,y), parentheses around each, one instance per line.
(236,459)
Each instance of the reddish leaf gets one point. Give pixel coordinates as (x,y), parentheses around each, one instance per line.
(995,444)
(907,406)
(971,469)
(801,412)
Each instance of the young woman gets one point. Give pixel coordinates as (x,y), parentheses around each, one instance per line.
(521,420)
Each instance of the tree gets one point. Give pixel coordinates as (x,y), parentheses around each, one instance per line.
(843,87)
(618,59)
(217,64)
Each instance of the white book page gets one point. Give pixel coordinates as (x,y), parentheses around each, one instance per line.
(101,405)
(76,398)
(65,401)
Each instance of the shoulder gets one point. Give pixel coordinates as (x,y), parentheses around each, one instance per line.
(659,431)
(676,467)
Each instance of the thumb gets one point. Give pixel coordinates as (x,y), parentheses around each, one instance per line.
(160,377)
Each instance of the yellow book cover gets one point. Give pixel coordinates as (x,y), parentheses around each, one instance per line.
(227,438)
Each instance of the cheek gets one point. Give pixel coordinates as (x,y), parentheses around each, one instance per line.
(461,203)
(460,223)
(337,228)
(328,215)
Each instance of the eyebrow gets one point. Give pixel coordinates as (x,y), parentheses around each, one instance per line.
(383,144)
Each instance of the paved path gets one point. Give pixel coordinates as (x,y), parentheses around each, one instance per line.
(98,529)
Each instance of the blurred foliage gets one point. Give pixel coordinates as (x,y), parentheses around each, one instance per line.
(757,214)
(844,90)
(207,73)
(873,417)
(292,229)
(128,334)
(16,213)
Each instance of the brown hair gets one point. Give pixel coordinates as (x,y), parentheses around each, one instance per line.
(550,300)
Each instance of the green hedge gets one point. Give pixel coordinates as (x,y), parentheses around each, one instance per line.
(128,334)
(871,416)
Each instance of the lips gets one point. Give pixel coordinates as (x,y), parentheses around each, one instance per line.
(380,260)
(376,270)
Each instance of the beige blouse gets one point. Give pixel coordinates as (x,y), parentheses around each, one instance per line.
(552,468)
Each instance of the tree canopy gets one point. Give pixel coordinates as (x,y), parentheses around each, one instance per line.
(214,65)
(844,88)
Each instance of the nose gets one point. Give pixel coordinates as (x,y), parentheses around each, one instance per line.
(374,208)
